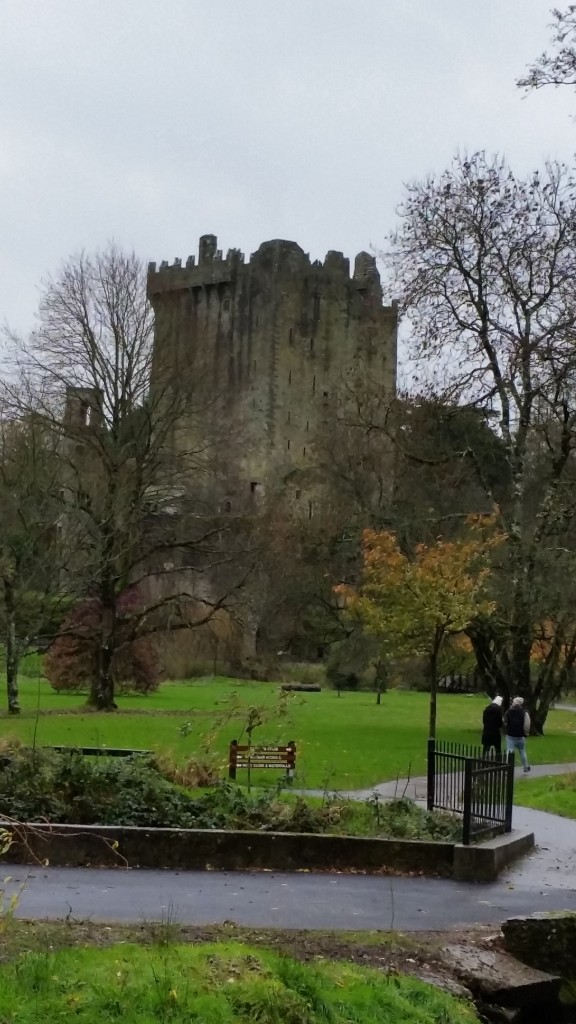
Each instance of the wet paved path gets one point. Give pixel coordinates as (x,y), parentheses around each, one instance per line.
(544,880)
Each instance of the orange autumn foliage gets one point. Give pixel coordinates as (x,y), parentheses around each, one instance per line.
(411,603)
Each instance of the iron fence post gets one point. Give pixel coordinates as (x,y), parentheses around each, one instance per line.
(509,793)
(467,817)
(431,788)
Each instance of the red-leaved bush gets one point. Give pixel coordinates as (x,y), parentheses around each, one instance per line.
(72,659)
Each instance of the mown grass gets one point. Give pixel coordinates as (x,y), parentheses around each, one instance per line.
(343,742)
(224,983)
(555,794)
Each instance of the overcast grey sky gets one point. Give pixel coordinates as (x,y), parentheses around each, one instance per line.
(155,121)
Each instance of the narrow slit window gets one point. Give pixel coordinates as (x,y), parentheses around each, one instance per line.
(314,384)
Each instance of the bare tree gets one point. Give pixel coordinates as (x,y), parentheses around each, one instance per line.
(486,267)
(559,66)
(31,602)
(138,510)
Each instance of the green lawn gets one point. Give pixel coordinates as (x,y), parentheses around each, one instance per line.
(343,743)
(223,983)
(555,794)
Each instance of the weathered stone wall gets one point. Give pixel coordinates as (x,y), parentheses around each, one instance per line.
(263,347)
(545,940)
(270,341)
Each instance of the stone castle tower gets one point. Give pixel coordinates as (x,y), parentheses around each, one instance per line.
(271,340)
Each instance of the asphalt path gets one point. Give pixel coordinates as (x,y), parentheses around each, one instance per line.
(267,899)
(543,880)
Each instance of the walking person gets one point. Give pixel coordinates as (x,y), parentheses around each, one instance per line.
(517,726)
(492,727)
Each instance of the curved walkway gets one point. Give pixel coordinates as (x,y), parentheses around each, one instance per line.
(544,880)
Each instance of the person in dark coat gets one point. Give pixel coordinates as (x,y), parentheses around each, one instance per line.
(492,727)
(517,726)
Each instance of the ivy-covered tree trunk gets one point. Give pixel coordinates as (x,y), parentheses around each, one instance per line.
(102,687)
(11,648)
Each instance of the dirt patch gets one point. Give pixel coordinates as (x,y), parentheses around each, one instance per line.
(392,952)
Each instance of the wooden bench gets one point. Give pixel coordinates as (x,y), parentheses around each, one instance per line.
(301,687)
(252,758)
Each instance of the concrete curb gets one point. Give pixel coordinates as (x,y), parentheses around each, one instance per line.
(220,850)
(483,862)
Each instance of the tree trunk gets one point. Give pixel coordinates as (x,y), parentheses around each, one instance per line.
(11,649)
(433,669)
(102,687)
(381,680)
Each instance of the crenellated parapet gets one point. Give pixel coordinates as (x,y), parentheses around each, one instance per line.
(278,257)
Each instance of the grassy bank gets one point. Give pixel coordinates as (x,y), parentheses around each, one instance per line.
(555,794)
(343,742)
(217,984)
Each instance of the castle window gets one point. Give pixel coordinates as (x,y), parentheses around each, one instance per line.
(309,510)
(314,384)
(288,417)
(289,376)
(288,445)
(311,345)
(227,506)
(304,452)
(298,493)
(253,486)
(226,303)
(291,336)
(254,366)
(307,424)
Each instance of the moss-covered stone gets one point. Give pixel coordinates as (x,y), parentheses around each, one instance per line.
(546,941)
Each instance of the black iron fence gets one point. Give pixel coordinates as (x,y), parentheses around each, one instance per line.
(463,780)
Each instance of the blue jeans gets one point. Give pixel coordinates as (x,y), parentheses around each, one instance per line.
(517,743)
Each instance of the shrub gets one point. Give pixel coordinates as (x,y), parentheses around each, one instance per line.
(261,667)
(195,773)
(67,788)
(352,663)
(71,661)
(304,672)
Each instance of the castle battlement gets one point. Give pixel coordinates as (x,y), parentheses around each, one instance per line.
(274,258)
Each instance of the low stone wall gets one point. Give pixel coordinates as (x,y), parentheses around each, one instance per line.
(546,941)
(204,849)
(199,849)
(483,862)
